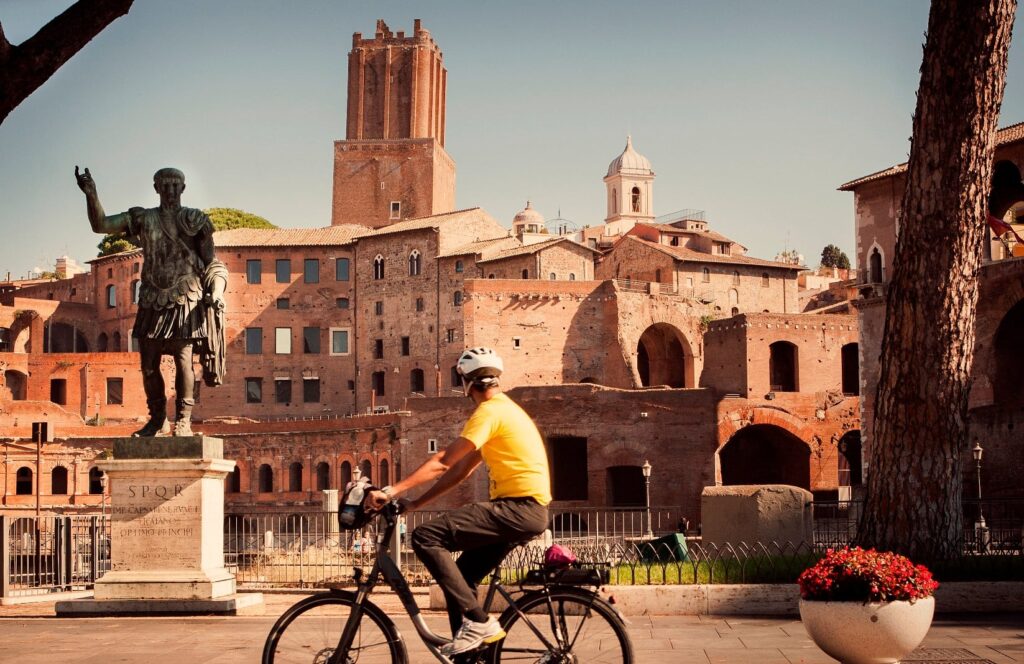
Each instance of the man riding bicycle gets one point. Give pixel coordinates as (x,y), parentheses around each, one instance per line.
(501,434)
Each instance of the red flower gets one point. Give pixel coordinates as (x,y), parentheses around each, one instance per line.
(852,574)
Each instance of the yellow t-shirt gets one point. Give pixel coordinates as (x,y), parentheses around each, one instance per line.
(512,448)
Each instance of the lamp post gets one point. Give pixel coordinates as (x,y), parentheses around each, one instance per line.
(980,529)
(646,468)
(103,497)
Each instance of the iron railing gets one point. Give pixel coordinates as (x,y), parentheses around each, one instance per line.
(52,553)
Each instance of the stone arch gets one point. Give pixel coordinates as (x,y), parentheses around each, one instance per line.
(366,468)
(234,482)
(1008,358)
(102,343)
(16,383)
(664,357)
(61,337)
(23,484)
(295,476)
(765,454)
(59,481)
(346,473)
(323,476)
(876,264)
(266,478)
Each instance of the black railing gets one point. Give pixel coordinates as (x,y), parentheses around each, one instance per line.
(52,553)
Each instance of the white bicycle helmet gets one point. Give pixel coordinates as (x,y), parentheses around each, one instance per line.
(480,365)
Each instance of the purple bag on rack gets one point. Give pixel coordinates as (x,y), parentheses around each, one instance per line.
(558,556)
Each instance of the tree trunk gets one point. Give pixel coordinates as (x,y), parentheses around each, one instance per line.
(914,483)
(25,67)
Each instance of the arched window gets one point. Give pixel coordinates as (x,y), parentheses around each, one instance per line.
(414,263)
(385,476)
(850,370)
(115,342)
(490,276)
(295,477)
(736,277)
(572,276)
(266,479)
(526,274)
(457,299)
(458,266)
(378,267)
(706,275)
(734,297)
(23,482)
(367,469)
(102,342)
(875,275)
(636,199)
(735,311)
(59,481)
(136,285)
(765,281)
(552,276)
(95,481)
(615,201)
(416,380)
(323,476)
(346,474)
(782,367)
(235,480)
(111,296)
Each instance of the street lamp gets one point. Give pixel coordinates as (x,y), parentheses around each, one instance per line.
(980,529)
(103,497)
(646,468)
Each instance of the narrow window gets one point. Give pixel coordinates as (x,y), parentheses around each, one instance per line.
(341,269)
(311,271)
(615,201)
(432,446)
(875,267)
(516,343)
(266,479)
(458,266)
(419,304)
(253,390)
(414,263)
(456,378)
(451,335)
(111,296)
(636,199)
(396,210)
(59,391)
(736,278)
(378,267)
(295,477)
(551,276)
(59,481)
(378,349)
(526,274)
(416,380)
(342,302)
(95,481)
(235,481)
(253,270)
(378,308)
(136,285)
(311,390)
(850,370)
(457,299)
(283,390)
(311,340)
(283,303)
(782,367)
(253,340)
(706,275)
(572,277)
(283,270)
(377,382)
(23,482)
(282,340)
(765,280)
(323,476)
(405,346)
(115,391)
(675,241)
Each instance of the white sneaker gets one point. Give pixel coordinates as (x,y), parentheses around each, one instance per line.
(472,635)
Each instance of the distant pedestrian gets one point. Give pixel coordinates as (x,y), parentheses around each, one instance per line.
(683,525)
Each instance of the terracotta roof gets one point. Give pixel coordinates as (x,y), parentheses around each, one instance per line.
(710,234)
(284,237)
(1004,136)
(684,254)
(533,248)
(420,223)
(482,246)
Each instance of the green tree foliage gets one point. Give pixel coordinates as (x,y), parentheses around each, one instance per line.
(223,219)
(833,256)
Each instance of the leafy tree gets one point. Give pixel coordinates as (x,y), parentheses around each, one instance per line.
(833,256)
(920,431)
(25,67)
(222,219)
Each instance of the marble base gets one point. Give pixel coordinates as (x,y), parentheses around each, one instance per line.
(232,605)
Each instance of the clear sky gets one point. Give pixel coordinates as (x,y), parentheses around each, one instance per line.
(753,111)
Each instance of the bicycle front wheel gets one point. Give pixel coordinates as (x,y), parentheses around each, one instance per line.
(566,625)
(308,633)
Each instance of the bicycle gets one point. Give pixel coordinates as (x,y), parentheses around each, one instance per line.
(556,616)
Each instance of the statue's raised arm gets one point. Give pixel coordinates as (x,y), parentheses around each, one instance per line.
(98,219)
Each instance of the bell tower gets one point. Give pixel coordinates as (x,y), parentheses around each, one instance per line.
(392,164)
(630,188)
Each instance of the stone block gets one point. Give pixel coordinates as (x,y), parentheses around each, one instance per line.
(756,513)
(169,447)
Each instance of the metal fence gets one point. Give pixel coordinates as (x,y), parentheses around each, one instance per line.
(51,553)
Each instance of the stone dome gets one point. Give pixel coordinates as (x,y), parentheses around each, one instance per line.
(630,162)
(528,216)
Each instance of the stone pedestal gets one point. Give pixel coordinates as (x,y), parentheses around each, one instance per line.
(167,530)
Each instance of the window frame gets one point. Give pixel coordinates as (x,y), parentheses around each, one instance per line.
(348,340)
(256,382)
(342,269)
(311,270)
(285,263)
(311,338)
(251,339)
(280,340)
(252,277)
(112,398)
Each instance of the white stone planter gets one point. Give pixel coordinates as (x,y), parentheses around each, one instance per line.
(877,633)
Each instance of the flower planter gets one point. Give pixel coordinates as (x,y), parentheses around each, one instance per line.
(873,633)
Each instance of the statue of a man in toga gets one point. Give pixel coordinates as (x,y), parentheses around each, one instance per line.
(181,296)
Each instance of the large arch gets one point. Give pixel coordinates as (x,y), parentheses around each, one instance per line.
(16,383)
(1007,387)
(664,357)
(61,337)
(765,454)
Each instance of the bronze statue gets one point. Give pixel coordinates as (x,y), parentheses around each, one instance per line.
(181,297)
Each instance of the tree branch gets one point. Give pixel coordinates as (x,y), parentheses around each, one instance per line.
(30,64)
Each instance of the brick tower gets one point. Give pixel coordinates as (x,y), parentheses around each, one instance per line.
(392,164)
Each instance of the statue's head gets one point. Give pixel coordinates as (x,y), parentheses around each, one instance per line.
(169,183)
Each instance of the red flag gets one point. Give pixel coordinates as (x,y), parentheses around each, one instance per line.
(1000,228)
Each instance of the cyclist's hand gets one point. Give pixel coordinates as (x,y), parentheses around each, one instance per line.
(376,500)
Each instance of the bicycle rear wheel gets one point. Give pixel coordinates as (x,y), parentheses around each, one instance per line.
(309,631)
(576,628)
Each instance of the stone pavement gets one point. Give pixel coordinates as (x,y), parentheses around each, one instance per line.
(29,634)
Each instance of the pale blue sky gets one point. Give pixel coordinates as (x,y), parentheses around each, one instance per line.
(752,111)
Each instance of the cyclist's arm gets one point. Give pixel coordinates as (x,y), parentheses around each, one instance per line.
(433,468)
(454,475)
